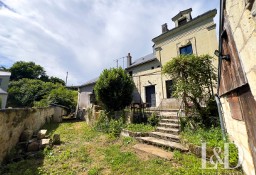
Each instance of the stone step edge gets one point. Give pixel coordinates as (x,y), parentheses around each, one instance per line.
(172,147)
(165,136)
(153,150)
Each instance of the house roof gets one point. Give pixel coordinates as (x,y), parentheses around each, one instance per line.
(3,73)
(2,91)
(210,13)
(92,81)
(143,60)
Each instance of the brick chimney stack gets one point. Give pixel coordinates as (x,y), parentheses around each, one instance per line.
(129,60)
(164,28)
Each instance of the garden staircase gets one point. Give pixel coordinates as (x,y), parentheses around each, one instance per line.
(166,134)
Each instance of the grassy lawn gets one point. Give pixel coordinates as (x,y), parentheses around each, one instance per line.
(86,151)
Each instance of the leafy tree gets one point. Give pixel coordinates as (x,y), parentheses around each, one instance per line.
(22,69)
(3,68)
(193,78)
(57,80)
(24,92)
(114,89)
(51,79)
(64,97)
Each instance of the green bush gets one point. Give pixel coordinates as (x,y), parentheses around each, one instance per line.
(111,126)
(114,89)
(153,119)
(213,138)
(140,128)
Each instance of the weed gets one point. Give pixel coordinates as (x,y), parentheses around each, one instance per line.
(94,171)
(140,128)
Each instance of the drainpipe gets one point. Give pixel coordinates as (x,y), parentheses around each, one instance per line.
(161,67)
(217,98)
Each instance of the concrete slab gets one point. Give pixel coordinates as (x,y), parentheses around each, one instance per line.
(154,151)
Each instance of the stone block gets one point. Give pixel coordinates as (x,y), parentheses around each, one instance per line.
(56,139)
(44,143)
(251,76)
(26,135)
(239,38)
(41,134)
(247,24)
(34,146)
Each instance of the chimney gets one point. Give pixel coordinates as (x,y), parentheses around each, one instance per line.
(129,60)
(164,28)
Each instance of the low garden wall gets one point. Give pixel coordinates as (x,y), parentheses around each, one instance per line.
(14,121)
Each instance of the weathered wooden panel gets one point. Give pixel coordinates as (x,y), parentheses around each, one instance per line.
(248,105)
(232,74)
(235,108)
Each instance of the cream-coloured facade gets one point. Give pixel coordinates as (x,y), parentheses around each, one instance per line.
(4,82)
(195,35)
(239,115)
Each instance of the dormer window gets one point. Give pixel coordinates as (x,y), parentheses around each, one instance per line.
(182,17)
(182,21)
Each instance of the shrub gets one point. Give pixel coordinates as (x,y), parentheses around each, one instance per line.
(114,89)
(139,127)
(153,119)
(193,77)
(111,126)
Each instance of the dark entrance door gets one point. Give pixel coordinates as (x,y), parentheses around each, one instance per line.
(169,88)
(151,96)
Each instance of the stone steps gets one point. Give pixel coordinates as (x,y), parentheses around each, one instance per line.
(168,130)
(154,151)
(168,125)
(163,143)
(168,117)
(165,136)
(169,120)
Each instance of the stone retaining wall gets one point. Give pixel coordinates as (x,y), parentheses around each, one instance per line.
(14,121)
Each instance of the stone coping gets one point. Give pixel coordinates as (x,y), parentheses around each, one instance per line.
(128,133)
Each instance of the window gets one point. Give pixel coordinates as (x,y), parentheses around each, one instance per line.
(169,88)
(130,73)
(186,50)
(1,81)
(182,21)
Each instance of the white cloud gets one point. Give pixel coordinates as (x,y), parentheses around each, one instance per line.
(84,36)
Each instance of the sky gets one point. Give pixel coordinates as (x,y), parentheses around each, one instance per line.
(84,37)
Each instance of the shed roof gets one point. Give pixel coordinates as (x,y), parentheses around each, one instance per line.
(2,91)
(92,81)
(4,73)
(143,60)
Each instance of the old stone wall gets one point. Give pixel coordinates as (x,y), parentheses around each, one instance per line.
(237,133)
(243,27)
(14,121)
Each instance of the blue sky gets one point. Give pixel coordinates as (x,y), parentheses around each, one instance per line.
(84,37)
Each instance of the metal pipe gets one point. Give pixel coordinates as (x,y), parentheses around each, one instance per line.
(220,43)
(217,99)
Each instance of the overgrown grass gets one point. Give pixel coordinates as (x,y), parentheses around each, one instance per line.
(212,136)
(86,151)
(139,128)
(213,139)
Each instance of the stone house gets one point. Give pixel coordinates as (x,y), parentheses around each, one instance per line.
(86,94)
(189,36)
(237,77)
(4,82)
